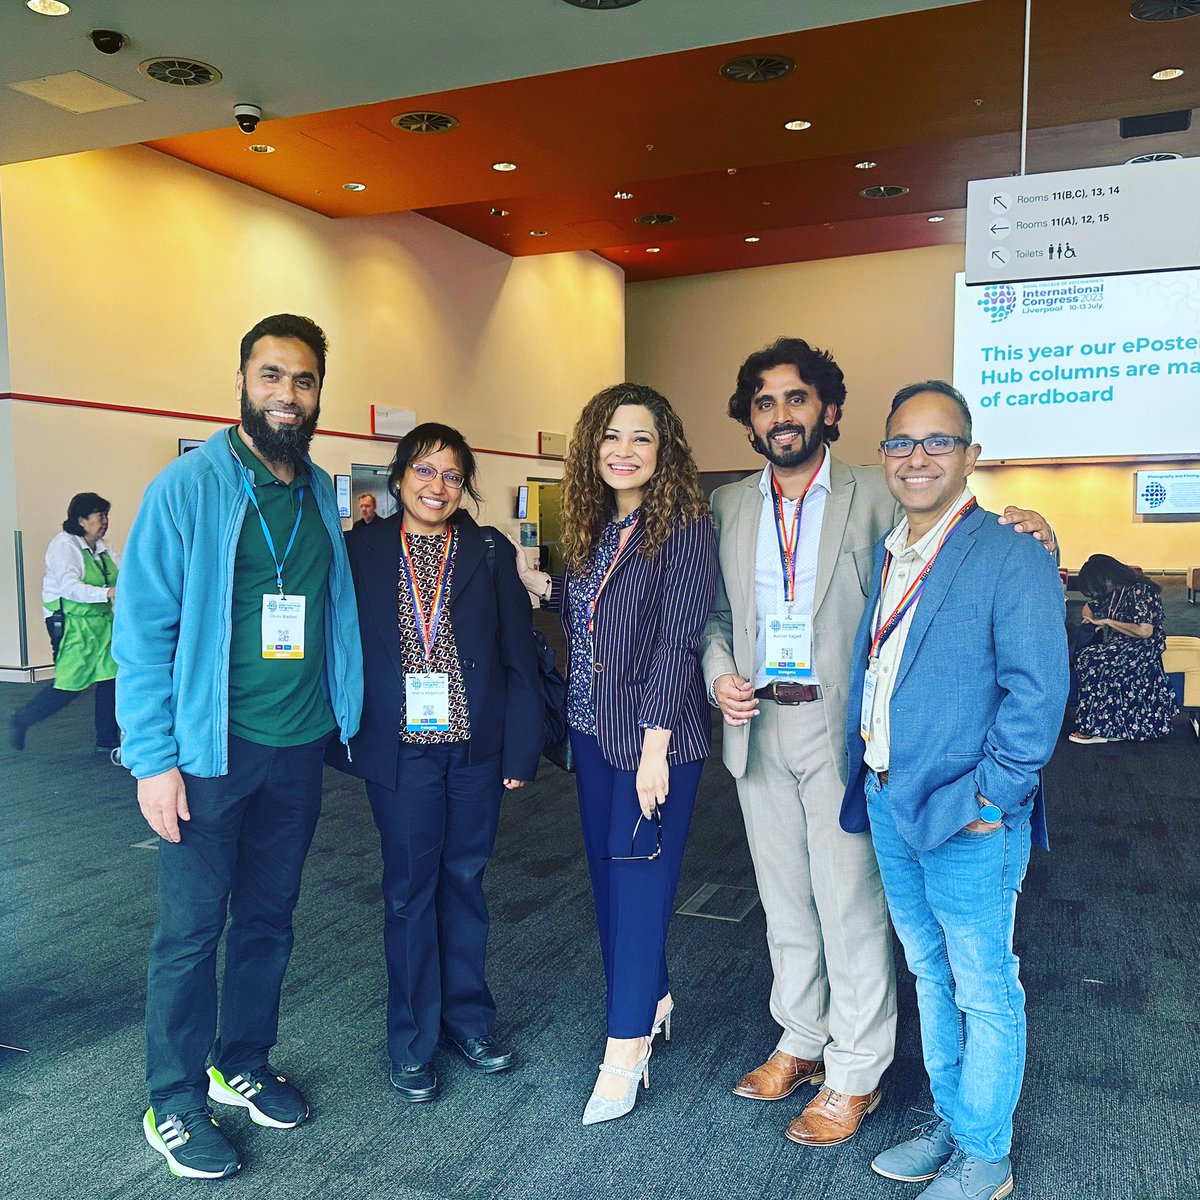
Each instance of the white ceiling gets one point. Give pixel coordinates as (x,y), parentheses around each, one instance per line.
(301,56)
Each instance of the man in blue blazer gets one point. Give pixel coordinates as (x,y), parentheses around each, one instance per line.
(957,689)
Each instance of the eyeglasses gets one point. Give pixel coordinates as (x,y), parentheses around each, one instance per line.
(427,474)
(656,817)
(936,444)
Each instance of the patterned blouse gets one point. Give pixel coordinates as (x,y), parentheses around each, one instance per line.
(582,589)
(426,549)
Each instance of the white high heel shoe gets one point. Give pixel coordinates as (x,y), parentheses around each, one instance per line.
(599,1109)
(663,1026)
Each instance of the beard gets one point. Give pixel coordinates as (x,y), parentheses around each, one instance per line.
(287,444)
(795,455)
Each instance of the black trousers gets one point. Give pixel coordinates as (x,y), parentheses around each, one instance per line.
(51,700)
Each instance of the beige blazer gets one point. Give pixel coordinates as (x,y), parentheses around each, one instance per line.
(858,512)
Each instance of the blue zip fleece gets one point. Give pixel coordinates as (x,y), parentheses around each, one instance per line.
(174,619)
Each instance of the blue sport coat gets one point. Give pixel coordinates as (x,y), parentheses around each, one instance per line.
(978,700)
(493,631)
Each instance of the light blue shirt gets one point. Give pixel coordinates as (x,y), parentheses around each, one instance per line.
(768,566)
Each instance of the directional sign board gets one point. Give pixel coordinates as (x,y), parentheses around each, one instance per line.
(1101,221)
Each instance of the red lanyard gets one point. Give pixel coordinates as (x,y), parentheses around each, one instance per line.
(789,538)
(888,627)
(427,629)
(611,567)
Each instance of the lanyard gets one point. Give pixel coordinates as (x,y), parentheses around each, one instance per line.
(591,625)
(267,533)
(427,629)
(888,627)
(789,539)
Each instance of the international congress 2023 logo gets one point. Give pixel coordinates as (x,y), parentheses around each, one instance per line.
(998,301)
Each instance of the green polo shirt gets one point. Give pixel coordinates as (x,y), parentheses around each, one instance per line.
(279,701)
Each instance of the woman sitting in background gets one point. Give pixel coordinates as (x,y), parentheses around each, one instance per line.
(1123,693)
(641,570)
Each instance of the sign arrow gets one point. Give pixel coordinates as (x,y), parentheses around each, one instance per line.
(998,202)
(998,256)
(1000,228)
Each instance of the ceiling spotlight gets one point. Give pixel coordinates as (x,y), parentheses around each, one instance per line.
(935,220)
(48,8)
(622,195)
(538,232)
(1167,73)
(865,165)
(261,148)
(355,187)
(795,125)
(497,212)
(653,249)
(504,166)
(753,239)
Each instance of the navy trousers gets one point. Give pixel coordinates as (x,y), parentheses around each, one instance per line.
(634,900)
(51,700)
(242,851)
(436,833)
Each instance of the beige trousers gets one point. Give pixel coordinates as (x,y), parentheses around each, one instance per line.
(834,990)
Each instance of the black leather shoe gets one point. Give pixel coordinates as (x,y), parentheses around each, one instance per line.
(482,1053)
(415,1084)
(16,733)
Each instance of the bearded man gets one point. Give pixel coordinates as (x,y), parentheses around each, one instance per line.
(238,655)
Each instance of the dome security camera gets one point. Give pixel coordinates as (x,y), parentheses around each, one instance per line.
(247,116)
(107,41)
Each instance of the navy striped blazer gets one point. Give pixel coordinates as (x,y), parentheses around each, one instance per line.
(646,645)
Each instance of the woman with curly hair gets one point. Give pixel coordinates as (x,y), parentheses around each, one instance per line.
(641,569)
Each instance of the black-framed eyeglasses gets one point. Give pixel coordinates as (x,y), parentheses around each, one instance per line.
(936,444)
(427,474)
(656,817)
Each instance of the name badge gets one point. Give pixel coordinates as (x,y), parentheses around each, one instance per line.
(789,647)
(282,626)
(427,702)
(870,679)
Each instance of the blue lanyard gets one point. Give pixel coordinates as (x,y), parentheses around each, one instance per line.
(267,533)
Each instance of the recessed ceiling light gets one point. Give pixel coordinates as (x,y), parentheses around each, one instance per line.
(935,220)
(1167,73)
(355,187)
(48,8)
(504,166)
(865,165)
(653,249)
(538,232)
(753,239)
(261,148)
(497,212)
(797,125)
(622,195)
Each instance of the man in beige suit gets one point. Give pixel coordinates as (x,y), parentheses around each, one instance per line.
(796,545)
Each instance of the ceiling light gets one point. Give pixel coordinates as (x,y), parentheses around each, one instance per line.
(794,125)
(753,239)
(653,249)
(622,195)
(504,166)
(497,212)
(865,165)
(261,148)
(1167,73)
(538,232)
(355,187)
(48,8)
(935,220)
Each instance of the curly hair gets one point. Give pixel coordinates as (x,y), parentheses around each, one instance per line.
(671,498)
(815,367)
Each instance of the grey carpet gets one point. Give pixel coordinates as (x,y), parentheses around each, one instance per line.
(1106,931)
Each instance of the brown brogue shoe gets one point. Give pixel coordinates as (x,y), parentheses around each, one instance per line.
(779,1077)
(832,1118)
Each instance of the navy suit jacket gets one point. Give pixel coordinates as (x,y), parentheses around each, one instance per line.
(646,645)
(493,631)
(978,700)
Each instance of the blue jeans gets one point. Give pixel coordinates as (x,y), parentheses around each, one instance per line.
(953,908)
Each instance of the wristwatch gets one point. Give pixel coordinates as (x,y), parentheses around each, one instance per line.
(989,812)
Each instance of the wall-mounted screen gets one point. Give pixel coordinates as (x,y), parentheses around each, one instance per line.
(1168,493)
(1082,368)
(522,509)
(186,444)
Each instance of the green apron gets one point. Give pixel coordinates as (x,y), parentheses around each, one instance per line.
(85,656)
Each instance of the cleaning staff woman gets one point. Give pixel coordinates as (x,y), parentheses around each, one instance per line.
(641,569)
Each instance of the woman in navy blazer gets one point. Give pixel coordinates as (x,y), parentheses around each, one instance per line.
(452,716)
(641,569)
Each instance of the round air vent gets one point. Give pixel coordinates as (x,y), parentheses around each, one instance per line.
(599,4)
(179,72)
(425,122)
(758,68)
(1160,156)
(1164,10)
(885,191)
(656,219)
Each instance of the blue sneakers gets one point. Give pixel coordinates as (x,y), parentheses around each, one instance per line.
(272,1101)
(192,1143)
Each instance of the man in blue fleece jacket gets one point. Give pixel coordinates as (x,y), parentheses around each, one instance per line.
(236,640)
